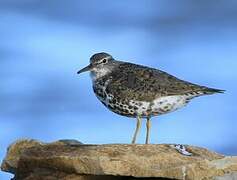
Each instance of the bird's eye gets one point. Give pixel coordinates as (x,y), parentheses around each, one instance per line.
(104,61)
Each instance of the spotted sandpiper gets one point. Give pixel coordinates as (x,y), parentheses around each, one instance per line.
(138,91)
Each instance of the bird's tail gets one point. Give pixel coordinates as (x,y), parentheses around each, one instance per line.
(207,90)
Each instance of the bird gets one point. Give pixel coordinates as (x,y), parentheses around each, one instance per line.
(139,91)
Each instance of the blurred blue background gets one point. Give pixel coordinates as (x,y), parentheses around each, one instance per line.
(44,43)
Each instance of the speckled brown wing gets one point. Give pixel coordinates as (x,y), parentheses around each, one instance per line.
(131,81)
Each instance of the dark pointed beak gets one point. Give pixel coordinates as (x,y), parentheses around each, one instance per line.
(87,68)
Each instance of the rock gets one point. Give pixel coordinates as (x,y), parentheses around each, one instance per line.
(72,160)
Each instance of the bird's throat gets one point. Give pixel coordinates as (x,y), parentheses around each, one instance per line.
(98,73)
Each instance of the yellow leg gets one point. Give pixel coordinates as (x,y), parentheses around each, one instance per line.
(137,130)
(148,126)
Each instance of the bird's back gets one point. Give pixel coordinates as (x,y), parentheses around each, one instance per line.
(146,84)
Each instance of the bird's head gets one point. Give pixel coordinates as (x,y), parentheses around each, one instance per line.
(100,65)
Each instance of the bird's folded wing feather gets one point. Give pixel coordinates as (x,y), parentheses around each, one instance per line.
(145,84)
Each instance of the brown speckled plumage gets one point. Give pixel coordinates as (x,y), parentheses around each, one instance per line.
(138,91)
(146,84)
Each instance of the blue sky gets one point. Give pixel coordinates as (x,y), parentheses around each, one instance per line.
(44,44)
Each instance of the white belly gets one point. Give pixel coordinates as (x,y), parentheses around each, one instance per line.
(168,104)
(159,106)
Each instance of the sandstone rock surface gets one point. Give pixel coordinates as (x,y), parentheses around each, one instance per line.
(71,160)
